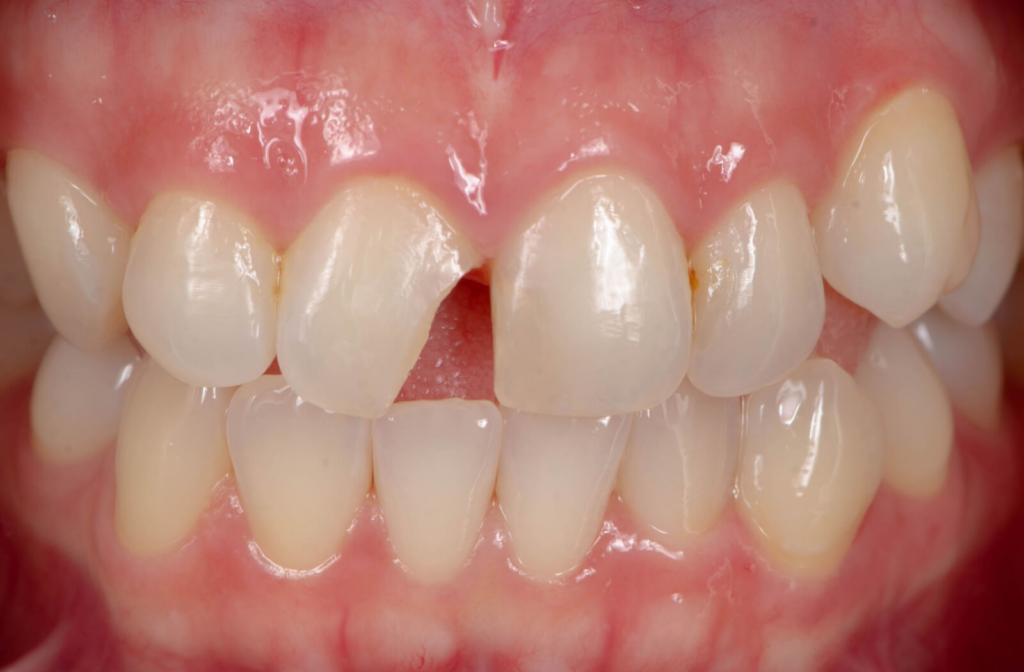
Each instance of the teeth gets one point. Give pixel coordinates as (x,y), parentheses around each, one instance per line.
(680,462)
(74,246)
(302,471)
(359,290)
(591,303)
(759,305)
(554,480)
(896,229)
(171,453)
(15,283)
(200,291)
(77,399)
(915,410)
(810,464)
(434,465)
(25,333)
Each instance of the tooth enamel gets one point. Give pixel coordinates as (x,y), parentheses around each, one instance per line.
(434,466)
(25,333)
(359,290)
(895,230)
(171,453)
(915,410)
(759,305)
(200,291)
(77,399)
(302,471)
(811,461)
(15,283)
(554,479)
(74,246)
(680,462)
(591,303)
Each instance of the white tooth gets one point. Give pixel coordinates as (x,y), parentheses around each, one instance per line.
(302,471)
(759,305)
(811,461)
(15,283)
(680,462)
(77,399)
(895,228)
(434,465)
(359,290)
(74,246)
(554,479)
(1010,320)
(200,291)
(1000,184)
(591,302)
(25,333)
(915,411)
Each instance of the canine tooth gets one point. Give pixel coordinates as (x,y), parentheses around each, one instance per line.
(896,225)
(759,305)
(200,291)
(434,466)
(302,471)
(15,283)
(359,290)
(25,333)
(74,246)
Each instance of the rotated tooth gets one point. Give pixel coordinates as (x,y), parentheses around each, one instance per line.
(200,291)
(811,461)
(759,305)
(302,471)
(680,462)
(359,290)
(591,302)
(74,246)
(25,333)
(899,226)
(434,466)
(554,479)
(15,283)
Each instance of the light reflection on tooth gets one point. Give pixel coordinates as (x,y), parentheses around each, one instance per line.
(15,283)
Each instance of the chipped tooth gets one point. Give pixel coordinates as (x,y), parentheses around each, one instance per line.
(25,333)
(302,471)
(434,466)
(591,302)
(75,248)
(15,283)
(359,290)
(895,230)
(759,305)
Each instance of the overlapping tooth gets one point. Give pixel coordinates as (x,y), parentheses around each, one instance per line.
(359,290)
(25,334)
(811,461)
(302,471)
(74,246)
(899,226)
(591,302)
(15,283)
(434,467)
(759,303)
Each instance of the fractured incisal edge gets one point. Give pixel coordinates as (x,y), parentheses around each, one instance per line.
(811,462)
(359,290)
(591,302)
(15,284)
(899,226)
(759,305)
(434,467)
(75,248)
(302,472)
(25,334)
(77,399)
(171,453)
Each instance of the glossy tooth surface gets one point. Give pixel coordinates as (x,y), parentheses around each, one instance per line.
(434,466)
(591,302)
(25,334)
(74,246)
(899,226)
(811,461)
(554,479)
(77,398)
(359,290)
(200,291)
(759,305)
(915,409)
(171,453)
(680,462)
(15,283)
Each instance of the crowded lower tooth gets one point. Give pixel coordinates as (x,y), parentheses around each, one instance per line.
(434,466)
(591,302)
(25,334)
(15,283)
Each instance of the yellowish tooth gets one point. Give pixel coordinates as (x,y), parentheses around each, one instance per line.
(15,284)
